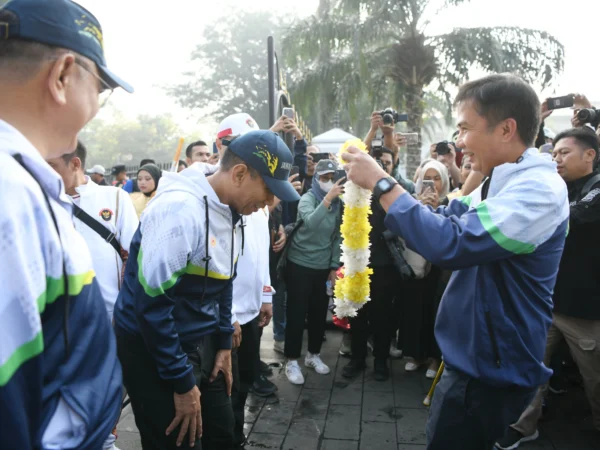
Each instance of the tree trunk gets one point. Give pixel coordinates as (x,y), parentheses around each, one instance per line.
(415,108)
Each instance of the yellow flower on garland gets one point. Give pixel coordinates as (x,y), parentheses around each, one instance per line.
(355,227)
(353,290)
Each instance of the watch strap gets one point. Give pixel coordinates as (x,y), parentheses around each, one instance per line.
(379,191)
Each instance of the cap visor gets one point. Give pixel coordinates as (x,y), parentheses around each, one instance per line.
(282,189)
(325,172)
(113,80)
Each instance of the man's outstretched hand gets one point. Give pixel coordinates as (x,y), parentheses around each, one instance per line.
(362,170)
(188,413)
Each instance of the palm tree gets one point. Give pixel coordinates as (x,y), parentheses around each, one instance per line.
(382,48)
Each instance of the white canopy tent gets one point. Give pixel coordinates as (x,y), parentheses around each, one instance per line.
(332,140)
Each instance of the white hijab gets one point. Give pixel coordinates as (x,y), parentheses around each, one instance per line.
(439,168)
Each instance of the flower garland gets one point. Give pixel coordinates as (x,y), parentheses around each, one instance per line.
(353,290)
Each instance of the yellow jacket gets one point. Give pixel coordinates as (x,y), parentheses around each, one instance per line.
(140,201)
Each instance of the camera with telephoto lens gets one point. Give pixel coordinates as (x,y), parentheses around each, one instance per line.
(443,148)
(589,115)
(391,116)
(377,150)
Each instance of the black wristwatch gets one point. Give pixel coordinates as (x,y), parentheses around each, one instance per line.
(383,186)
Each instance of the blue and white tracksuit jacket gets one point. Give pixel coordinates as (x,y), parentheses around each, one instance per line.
(504,250)
(169,298)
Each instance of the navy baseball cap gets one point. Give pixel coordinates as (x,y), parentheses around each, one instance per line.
(265,152)
(59,23)
(118,169)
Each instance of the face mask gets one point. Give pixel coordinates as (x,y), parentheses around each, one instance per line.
(326,186)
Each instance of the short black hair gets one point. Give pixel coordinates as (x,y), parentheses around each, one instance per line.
(504,96)
(230,160)
(20,59)
(143,162)
(388,151)
(188,150)
(182,163)
(80,152)
(584,136)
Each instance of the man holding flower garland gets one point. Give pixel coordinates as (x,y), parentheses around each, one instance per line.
(504,243)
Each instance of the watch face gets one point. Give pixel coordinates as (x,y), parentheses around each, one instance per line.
(385,184)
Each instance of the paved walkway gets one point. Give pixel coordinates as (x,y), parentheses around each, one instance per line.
(332,413)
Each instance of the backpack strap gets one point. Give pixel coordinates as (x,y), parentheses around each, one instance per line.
(589,184)
(102,231)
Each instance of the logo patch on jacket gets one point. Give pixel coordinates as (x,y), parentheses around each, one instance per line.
(106,214)
(591,195)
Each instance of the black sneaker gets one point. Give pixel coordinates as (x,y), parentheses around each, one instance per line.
(265,369)
(512,439)
(380,371)
(240,441)
(558,385)
(263,387)
(353,368)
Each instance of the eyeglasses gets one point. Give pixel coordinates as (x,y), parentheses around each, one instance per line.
(105,90)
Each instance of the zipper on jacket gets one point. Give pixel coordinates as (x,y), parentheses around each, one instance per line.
(232,245)
(488,321)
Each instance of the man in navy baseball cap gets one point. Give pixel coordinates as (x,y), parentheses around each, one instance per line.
(62,24)
(58,357)
(52,71)
(266,153)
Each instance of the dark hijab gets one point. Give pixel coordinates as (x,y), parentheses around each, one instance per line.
(154,172)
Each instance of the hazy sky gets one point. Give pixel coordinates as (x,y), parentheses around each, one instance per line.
(148,44)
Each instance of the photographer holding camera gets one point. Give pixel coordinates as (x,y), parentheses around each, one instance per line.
(584,113)
(445,152)
(576,314)
(385,121)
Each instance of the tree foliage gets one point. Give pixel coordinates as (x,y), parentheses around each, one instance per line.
(354,52)
(127,141)
(229,72)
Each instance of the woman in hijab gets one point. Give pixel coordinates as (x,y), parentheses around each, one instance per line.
(434,171)
(421,297)
(312,260)
(147,180)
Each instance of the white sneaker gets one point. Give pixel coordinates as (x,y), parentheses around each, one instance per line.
(293,372)
(315,362)
(411,366)
(430,374)
(395,352)
(279,346)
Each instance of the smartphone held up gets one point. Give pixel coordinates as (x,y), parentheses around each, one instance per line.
(566,101)
(428,186)
(288,112)
(339,174)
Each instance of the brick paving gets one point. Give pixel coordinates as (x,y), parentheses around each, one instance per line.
(332,413)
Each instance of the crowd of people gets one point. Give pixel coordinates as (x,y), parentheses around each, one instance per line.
(159,287)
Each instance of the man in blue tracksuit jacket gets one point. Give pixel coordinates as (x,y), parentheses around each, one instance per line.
(173,314)
(504,243)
